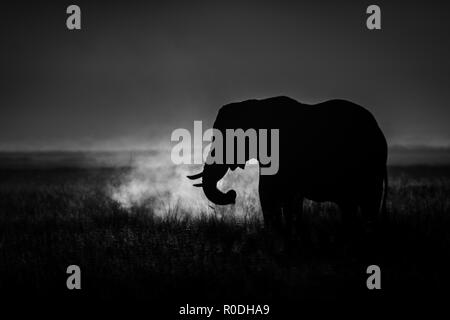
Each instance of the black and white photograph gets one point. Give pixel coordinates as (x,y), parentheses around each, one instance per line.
(224,159)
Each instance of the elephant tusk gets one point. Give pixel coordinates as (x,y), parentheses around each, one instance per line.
(195,176)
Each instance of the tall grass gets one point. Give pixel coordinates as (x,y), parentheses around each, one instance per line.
(52,218)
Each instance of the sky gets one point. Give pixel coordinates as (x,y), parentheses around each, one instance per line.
(137,70)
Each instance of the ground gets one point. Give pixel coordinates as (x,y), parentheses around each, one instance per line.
(51,218)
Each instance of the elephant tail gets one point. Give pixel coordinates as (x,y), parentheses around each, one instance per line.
(385,191)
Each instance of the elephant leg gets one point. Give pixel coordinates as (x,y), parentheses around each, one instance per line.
(372,234)
(270,203)
(272,213)
(349,212)
(272,217)
(292,213)
(371,201)
(369,211)
(350,220)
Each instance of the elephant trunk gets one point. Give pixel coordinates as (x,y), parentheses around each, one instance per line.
(211,175)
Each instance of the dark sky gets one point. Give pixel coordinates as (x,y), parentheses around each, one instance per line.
(138,70)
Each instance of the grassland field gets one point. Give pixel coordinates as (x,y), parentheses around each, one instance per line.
(53,217)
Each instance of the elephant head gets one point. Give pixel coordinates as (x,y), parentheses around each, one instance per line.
(213,172)
(243,137)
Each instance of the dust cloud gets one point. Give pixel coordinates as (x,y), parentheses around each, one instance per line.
(156,183)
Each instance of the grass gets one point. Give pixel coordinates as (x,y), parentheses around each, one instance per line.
(51,218)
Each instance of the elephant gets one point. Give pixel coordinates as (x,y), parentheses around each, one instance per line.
(331,151)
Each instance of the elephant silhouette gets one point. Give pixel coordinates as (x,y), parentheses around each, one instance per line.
(331,151)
